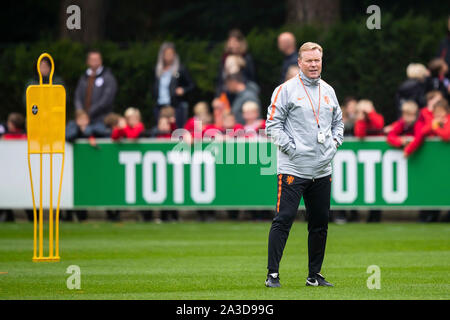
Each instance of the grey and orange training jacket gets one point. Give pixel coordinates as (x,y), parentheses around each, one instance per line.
(293,127)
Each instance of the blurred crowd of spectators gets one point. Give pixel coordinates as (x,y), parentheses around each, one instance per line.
(421,103)
(422,108)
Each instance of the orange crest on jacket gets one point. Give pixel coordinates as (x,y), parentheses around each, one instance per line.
(289,179)
(327,100)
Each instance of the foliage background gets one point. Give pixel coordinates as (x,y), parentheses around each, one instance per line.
(357,61)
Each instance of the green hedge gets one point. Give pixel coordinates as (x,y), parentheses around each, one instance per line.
(357,61)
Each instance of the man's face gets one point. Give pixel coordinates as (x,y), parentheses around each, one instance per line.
(282,44)
(94,60)
(310,62)
(286,43)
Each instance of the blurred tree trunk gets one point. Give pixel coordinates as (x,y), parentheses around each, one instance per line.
(323,12)
(93,13)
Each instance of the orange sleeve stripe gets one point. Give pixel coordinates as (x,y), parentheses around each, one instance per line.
(273,104)
(279,192)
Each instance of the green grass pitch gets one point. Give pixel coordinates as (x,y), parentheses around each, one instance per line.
(225,260)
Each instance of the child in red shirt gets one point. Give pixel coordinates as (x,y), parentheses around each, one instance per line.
(230,128)
(426,113)
(200,109)
(368,121)
(254,125)
(202,128)
(164,128)
(440,124)
(129,127)
(169,113)
(407,132)
(15,127)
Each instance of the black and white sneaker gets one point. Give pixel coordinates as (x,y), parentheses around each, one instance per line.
(273,282)
(318,280)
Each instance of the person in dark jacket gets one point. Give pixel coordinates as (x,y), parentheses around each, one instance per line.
(368,121)
(236,44)
(172,83)
(81,128)
(437,79)
(286,44)
(96,89)
(413,88)
(236,85)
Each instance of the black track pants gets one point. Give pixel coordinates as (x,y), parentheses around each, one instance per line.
(316,194)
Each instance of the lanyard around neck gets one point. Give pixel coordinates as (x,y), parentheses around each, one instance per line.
(310,101)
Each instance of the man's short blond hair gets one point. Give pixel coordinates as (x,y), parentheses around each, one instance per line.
(410,106)
(308,46)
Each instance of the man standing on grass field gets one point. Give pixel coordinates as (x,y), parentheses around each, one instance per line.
(304,121)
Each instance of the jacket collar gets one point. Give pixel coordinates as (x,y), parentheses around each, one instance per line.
(97,72)
(309,81)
